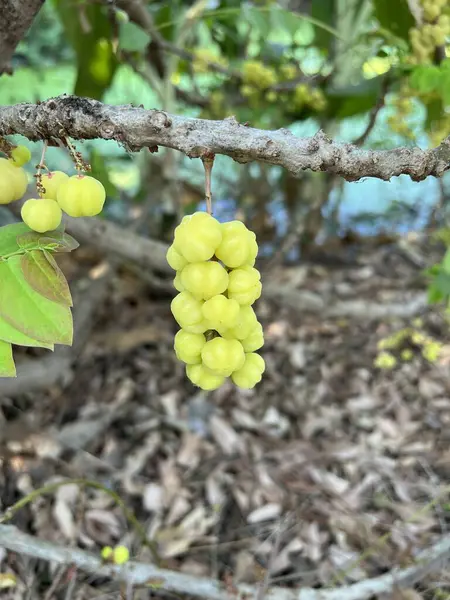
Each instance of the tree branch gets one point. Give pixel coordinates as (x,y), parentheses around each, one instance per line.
(135,128)
(16,17)
(428,561)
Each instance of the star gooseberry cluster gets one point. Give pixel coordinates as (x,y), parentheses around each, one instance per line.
(77,196)
(217,284)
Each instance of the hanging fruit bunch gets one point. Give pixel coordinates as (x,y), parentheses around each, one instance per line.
(217,285)
(78,196)
(35,299)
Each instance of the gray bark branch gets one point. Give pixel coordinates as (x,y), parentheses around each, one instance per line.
(428,561)
(136,128)
(16,17)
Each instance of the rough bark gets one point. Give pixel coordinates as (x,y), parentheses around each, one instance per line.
(135,128)
(16,17)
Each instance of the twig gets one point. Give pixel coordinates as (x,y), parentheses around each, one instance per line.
(373,114)
(84,483)
(135,128)
(428,561)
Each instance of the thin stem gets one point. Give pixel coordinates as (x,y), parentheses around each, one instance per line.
(41,165)
(52,487)
(208,165)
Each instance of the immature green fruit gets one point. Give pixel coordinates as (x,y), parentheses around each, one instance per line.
(197,237)
(188,346)
(6,189)
(245,324)
(121,16)
(51,182)
(223,356)
(81,196)
(177,282)
(202,377)
(236,247)
(41,214)
(20,155)
(255,340)
(121,555)
(244,285)
(204,279)
(175,259)
(251,372)
(16,179)
(221,312)
(187,311)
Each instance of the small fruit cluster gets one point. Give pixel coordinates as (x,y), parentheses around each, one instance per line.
(432,33)
(310,97)
(403,107)
(78,196)
(217,284)
(13,179)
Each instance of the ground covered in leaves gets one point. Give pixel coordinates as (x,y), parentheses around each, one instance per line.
(329,472)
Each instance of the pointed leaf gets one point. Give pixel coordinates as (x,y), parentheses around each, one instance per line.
(7,366)
(56,241)
(10,334)
(28,311)
(8,238)
(45,277)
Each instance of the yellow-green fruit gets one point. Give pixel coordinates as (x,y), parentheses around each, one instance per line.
(187,311)
(16,177)
(234,249)
(221,312)
(41,214)
(223,356)
(188,346)
(255,340)
(177,283)
(204,279)
(81,196)
(198,236)
(20,155)
(175,259)
(121,555)
(51,182)
(6,190)
(246,323)
(251,372)
(106,552)
(202,377)
(244,285)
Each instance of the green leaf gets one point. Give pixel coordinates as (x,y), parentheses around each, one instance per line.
(53,241)
(89,31)
(8,238)
(434,113)
(434,295)
(446,262)
(324,11)
(45,277)
(395,16)
(258,20)
(7,366)
(442,283)
(132,38)
(353,100)
(10,334)
(445,85)
(28,311)
(426,78)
